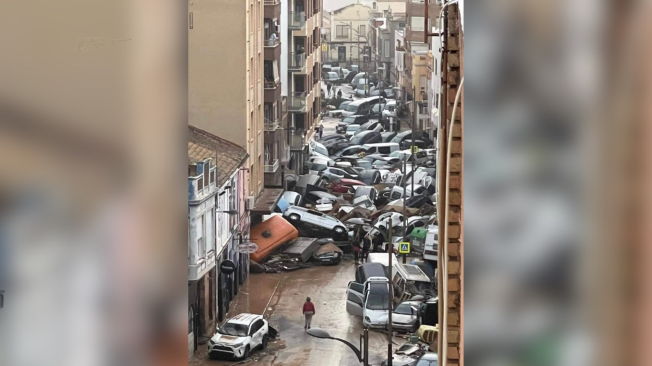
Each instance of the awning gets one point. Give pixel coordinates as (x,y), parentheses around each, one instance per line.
(419,233)
(265,203)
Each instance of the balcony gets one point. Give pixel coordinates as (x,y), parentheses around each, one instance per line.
(297,20)
(297,102)
(272,9)
(297,61)
(272,90)
(272,50)
(271,126)
(271,166)
(296,140)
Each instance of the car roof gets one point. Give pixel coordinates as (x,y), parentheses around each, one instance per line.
(245,318)
(379,144)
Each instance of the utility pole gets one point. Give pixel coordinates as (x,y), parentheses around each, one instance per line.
(390,253)
(404,181)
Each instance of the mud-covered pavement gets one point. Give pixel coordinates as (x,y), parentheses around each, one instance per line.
(280,296)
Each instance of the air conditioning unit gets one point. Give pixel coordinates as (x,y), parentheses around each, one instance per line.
(250,203)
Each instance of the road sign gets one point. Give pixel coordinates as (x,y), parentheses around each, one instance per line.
(227,267)
(247,248)
(415,149)
(404,247)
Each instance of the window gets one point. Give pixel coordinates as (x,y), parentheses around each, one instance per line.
(416,23)
(201,248)
(384,150)
(362,30)
(210,231)
(386,49)
(340,31)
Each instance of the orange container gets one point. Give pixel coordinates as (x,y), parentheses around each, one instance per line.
(271,234)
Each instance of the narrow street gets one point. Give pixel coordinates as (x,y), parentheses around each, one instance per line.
(280,297)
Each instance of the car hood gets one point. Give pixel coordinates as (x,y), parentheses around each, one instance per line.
(377,316)
(227,339)
(402,318)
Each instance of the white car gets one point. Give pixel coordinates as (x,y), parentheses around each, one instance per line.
(238,336)
(297,215)
(370,301)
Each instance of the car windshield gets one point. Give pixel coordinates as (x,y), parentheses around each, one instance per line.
(352,128)
(321,149)
(356,140)
(378,297)
(233,329)
(349,119)
(351,108)
(344,104)
(405,309)
(350,170)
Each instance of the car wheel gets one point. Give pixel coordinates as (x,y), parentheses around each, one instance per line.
(294,217)
(265,340)
(339,231)
(246,353)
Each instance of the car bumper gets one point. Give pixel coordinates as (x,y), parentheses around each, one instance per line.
(225,352)
(374,325)
(403,327)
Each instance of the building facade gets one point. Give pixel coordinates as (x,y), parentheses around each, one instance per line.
(276,149)
(303,75)
(217,222)
(225,77)
(349,34)
(383,25)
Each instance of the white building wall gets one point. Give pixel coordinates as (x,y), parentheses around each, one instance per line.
(201,238)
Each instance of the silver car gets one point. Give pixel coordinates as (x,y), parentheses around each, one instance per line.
(406,316)
(297,215)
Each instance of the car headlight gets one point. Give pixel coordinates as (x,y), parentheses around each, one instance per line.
(237,345)
(366,318)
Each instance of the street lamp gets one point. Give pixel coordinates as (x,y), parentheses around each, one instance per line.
(362,356)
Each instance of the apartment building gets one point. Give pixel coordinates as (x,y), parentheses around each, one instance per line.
(413,37)
(382,38)
(276,149)
(225,77)
(303,75)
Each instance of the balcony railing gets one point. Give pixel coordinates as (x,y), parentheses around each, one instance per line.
(271,166)
(296,140)
(272,42)
(297,102)
(272,84)
(271,2)
(297,61)
(297,20)
(271,125)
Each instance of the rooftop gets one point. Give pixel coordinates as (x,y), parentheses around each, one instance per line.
(227,156)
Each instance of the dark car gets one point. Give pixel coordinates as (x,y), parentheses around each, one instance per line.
(418,201)
(407,135)
(367,126)
(329,138)
(338,146)
(365,137)
(388,136)
(350,76)
(347,151)
(350,120)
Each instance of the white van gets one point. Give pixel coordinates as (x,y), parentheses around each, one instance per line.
(369,301)
(432,243)
(380,148)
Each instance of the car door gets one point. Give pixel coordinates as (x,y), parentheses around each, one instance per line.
(355,298)
(256,333)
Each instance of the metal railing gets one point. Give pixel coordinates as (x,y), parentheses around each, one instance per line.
(272,42)
(296,140)
(272,84)
(271,125)
(297,20)
(271,2)
(297,60)
(271,167)
(297,101)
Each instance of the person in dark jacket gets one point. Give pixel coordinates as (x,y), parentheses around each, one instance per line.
(308,312)
(366,244)
(339,93)
(377,241)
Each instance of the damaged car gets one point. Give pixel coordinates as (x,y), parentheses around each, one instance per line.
(239,336)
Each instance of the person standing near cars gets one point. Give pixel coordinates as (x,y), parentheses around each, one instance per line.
(366,244)
(339,93)
(308,312)
(321,131)
(328,88)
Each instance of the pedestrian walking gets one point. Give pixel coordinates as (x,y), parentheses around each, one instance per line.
(339,93)
(377,242)
(366,245)
(308,312)
(328,88)
(321,131)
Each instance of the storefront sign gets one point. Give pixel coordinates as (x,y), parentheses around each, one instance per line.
(247,248)
(227,267)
